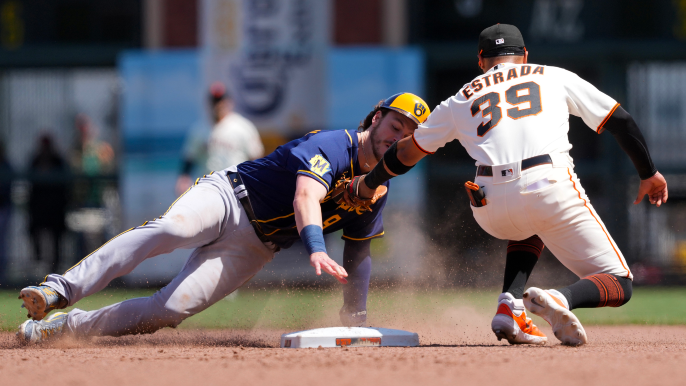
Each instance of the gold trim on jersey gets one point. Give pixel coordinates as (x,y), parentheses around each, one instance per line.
(364,238)
(172,204)
(314,174)
(145,223)
(269,234)
(276,218)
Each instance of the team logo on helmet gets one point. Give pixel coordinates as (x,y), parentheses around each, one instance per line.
(419,109)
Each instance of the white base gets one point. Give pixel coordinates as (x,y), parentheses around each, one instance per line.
(349,337)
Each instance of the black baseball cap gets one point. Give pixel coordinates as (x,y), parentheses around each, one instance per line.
(500,40)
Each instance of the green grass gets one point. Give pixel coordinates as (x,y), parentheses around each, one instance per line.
(293,309)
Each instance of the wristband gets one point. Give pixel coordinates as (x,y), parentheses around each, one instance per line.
(377,176)
(313,238)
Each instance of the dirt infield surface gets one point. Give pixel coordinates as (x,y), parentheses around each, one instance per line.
(634,355)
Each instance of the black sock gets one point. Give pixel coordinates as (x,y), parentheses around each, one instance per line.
(601,290)
(522,257)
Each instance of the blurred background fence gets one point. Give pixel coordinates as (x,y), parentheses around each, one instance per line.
(98,97)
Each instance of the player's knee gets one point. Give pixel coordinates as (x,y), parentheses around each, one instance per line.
(181,225)
(627,288)
(165,313)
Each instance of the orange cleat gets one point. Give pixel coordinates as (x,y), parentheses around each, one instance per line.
(510,322)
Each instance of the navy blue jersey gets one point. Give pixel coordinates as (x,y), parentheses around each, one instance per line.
(325,156)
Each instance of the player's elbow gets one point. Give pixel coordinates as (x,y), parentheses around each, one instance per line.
(302,198)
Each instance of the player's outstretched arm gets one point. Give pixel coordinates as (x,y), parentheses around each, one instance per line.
(629,137)
(308,218)
(398,159)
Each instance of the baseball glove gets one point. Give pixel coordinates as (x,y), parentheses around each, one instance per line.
(346,190)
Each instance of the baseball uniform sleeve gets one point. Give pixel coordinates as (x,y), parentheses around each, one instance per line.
(319,158)
(369,225)
(586,101)
(437,130)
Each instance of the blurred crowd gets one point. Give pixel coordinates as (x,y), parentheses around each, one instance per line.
(66,189)
(73,193)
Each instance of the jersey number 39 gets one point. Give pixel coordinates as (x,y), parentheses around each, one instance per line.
(515,96)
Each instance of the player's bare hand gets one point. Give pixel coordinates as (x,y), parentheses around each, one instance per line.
(322,262)
(363,191)
(656,189)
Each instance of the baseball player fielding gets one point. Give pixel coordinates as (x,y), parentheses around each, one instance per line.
(513,120)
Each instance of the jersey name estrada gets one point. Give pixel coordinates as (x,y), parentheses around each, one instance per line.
(514,112)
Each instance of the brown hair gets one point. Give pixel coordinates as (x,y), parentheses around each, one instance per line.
(364,125)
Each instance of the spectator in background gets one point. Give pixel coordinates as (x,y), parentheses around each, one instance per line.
(6,175)
(232,140)
(90,155)
(93,161)
(48,199)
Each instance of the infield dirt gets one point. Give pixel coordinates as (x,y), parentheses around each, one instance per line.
(633,355)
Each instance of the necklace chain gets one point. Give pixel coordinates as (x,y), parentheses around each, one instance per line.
(364,152)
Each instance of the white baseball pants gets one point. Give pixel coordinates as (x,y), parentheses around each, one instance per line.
(228,253)
(549,202)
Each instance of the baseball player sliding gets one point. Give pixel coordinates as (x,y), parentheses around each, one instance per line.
(513,120)
(235,220)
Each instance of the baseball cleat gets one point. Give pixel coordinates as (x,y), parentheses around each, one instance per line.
(352,318)
(40,300)
(511,323)
(565,324)
(34,332)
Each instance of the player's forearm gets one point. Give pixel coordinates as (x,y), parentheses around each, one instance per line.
(308,219)
(408,153)
(308,213)
(398,159)
(307,210)
(623,127)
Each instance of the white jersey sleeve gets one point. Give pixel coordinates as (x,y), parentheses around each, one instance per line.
(586,101)
(437,130)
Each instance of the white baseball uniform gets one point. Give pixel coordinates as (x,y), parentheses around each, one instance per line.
(518,111)
(231,141)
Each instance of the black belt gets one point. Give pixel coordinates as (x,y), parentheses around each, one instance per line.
(487,171)
(242,194)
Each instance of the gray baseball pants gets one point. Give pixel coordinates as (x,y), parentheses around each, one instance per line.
(209,218)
